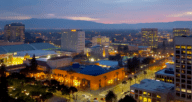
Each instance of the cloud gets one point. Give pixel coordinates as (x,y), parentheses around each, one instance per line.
(180,14)
(82,18)
(51,15)
(15,17)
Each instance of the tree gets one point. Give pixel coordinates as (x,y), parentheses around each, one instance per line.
(54,82)
(148,60)
(2,71)
(52,89)
(65,91)
(46,96)
(110,97)
(132,64)
(33,64)
(124,82)
(73,90)
(145,72)
(4,97)
(64,79)
(105,77)
(127,99)
(39,40)
(125,50)
(117,73)
(72,77)
(119,49)
(130,79)
(135,77)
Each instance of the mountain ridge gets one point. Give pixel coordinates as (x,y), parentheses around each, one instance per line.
(78,24)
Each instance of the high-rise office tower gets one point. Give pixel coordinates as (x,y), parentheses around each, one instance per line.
(149,37)
(73,40)
(14,32)
(100,40)
(181,32)
(183,67)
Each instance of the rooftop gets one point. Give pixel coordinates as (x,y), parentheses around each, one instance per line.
(35,52)
(26,47)
(15,24)
(93,70)
(108,63)
(166,72)
(61,57)
(154,86)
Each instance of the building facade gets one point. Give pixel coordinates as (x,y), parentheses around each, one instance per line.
(152,91)
(166,75)
(181,32)
(100,40)
(149,37)
(183,67)
(88,77)
(73,40)
(14,32)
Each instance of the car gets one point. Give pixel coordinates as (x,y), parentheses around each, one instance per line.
(95,98)
(102,99)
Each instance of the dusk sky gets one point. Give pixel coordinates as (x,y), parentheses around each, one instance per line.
(102,11)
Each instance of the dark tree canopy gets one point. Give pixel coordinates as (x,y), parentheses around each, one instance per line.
(110,97)
(148,60)
(132,64)
(33,64)
(127,99)
(117,57)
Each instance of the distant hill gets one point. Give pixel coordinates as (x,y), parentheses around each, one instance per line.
(77,24)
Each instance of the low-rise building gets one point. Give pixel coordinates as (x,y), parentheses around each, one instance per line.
(166,75)
(88,77)
(152,91)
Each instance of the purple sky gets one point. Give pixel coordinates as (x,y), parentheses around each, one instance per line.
(102,11)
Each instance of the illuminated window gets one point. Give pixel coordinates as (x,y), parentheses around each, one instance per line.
(177,47)
(188,57)
(183,90)
(149,100)
(149,94)
(188,47)
(183,47)
(144,93)
(144,99)
(188,52)
(140,98)
(158,96)
(183,52)
(188,91)
(177,89)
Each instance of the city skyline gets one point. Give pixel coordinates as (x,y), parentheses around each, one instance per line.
(108,12)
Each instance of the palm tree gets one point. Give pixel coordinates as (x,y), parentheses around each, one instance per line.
(110,97)
(124,82)
(78,80)
(72,77)
(135,77)
(105,77)
(130,79)
(144,72)
(64,79)
(117,75)
(83,82)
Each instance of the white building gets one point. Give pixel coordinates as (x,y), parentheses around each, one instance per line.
(100,40)
(56,62)
(182,60)
(152,91)
(73,40)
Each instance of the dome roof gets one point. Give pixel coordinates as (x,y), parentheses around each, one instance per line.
(93,70)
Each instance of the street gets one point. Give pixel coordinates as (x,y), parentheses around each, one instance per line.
(118,89)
